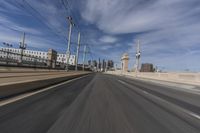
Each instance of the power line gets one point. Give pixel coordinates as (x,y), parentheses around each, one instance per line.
(39,16)
(57,33)
(70,11)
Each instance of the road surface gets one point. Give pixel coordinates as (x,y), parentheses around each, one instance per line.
(101,103)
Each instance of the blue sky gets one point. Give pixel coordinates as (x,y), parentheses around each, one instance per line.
(169,30)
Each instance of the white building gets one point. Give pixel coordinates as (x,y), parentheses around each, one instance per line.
(32,53)
(62,58)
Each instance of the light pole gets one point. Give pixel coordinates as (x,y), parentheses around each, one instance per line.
(84,55)
(77,52)
(138,54)
(71,24)
(22,46)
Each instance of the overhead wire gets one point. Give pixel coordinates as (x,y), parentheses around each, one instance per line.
(39,17)
(68,8)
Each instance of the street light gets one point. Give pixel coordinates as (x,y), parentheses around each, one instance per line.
(71,24)
(138,54)
(22,46)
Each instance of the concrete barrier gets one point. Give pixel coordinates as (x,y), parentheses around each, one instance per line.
(25,69)
(20,88)
(184,78)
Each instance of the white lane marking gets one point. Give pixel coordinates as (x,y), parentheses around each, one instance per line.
(122,82)
(145,92)
(22,96)
(169,103)
(194,115)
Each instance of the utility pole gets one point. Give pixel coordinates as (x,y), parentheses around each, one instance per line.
(77,52)
(138,54)
(71,24)
(84,55)
(22,46)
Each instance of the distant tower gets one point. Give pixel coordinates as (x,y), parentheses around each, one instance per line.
(125,59)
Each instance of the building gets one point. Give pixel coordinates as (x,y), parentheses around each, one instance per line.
(125,59)
(14,53)
(110,64)
(99,65)
(52,57)
(62,59)
(94,63)
(89,63)
(104,65)
(147,67)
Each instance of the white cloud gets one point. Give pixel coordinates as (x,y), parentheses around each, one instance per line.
(165,27)
(53,15)
(108,39)
(7,6)
(7,22)
(116,16)
(105,47)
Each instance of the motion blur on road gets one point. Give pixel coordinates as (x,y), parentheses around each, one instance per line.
(99,66)
(102,103)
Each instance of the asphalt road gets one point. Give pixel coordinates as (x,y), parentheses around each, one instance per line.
(102,103)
